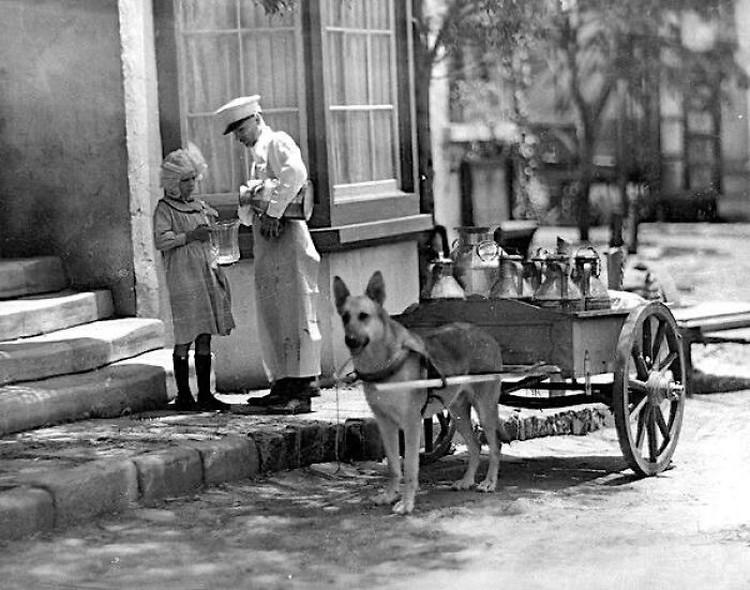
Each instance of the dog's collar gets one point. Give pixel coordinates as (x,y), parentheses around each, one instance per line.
(390,368)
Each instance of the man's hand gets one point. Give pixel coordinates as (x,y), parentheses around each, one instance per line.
(270,227)
(202,233)
(247,191)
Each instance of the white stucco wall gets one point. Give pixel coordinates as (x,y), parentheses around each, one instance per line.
(64,178)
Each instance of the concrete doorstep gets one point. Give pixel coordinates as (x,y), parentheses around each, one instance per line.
(59,476)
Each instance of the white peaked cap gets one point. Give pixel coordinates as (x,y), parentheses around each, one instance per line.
(237,109)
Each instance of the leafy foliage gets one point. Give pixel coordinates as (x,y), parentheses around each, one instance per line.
(277,6)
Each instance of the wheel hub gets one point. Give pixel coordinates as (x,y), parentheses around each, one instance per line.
(661,387)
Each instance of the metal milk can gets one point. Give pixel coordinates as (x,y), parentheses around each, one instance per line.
(442,284)
(475,256)
(557,290)
(533,269)
(511,282)
(586,270)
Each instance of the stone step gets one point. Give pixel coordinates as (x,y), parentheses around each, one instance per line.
(121,388)
(41,314)
(77,349)
(28,276)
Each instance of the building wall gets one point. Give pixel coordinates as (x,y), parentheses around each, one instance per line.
(63,179)
(144,152)
(238,358)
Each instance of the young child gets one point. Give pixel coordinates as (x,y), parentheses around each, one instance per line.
(198,289)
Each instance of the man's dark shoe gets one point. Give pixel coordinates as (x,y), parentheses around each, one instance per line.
(278,394)
(303,388)
(209,403)
(290,406)
(286,389)
(310,391)
(266,400)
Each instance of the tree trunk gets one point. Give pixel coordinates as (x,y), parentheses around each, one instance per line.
(586,177)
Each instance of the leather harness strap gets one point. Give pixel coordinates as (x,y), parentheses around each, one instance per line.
(391,367)
(397,361)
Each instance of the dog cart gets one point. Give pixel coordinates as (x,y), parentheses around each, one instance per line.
(632,360)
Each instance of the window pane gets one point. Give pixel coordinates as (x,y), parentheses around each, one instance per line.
(202,15)
(700,121)
(671,136)
(671,102)
(383,150)
(270,67)
(379,13)
(381,70)
(701,177)
(355,80)
(701,150)
(335,74)
(346,13)
(225,168)
(351,147)
(212,71)
(672,178)
(285,121)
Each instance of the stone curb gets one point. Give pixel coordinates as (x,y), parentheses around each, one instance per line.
(63,497)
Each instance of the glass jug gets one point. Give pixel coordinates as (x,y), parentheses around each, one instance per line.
(225,241)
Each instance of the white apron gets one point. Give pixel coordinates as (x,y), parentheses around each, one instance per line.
(286,269)
(286,293)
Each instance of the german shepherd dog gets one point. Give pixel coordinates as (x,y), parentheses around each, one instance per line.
(384,351)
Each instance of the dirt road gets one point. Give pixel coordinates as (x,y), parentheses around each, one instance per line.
(568,514)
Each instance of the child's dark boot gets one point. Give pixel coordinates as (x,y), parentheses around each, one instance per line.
(206,400)
(184,401)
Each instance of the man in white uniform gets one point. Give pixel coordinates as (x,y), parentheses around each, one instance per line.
(286,261)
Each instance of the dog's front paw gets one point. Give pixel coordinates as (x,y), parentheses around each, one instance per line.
(384,498)
(403,506)
(462,484)
(487,486)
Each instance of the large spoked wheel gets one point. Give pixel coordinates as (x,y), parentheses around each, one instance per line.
(438,437)
(648,396)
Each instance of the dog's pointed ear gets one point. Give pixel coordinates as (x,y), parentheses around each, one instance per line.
(376,288)
(340,293)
